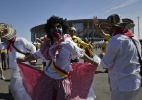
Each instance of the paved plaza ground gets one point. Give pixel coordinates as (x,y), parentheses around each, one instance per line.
(102,89)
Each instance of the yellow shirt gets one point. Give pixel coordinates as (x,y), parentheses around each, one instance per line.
(104,46)
(107,37)
(82,44)
(37,46)
(4,50)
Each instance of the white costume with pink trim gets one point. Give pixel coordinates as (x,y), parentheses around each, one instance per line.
(16,84)
(77,85)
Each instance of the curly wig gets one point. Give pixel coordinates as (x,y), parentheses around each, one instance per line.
(52,21)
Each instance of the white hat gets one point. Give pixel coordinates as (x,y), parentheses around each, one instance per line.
(6,31)
(72,28)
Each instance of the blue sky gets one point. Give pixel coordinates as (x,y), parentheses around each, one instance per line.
(25,14)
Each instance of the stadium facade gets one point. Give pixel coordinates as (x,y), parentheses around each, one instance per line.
(85,28)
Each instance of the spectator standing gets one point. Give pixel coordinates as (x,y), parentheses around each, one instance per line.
(87,47)
(41,40)
(1,73)
(4,58)
(1,68)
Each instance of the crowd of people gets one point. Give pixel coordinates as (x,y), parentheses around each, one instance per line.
(64,77)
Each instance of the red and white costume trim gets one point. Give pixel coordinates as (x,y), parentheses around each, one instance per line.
(77,82)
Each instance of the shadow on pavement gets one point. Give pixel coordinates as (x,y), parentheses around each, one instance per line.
(7,80)
(6,96)
(97,72)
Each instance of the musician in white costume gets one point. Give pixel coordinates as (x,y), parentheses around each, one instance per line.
(17,47)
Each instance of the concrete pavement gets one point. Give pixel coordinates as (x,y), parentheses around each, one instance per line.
(4,84)
(4,90)
(102,89)
(101,86)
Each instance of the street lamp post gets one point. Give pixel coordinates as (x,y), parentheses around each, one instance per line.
(138,28)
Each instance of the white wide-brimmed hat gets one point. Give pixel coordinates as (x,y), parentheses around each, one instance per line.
(72,28)
(6,31)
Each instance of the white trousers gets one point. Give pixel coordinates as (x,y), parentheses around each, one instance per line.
(16,87)
(91,94)
(124,95)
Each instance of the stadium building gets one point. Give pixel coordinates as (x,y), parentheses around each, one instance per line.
(85,28)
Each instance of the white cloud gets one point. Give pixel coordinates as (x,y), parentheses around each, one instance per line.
(129,2)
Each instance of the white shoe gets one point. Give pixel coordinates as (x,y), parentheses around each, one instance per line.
(2,77)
